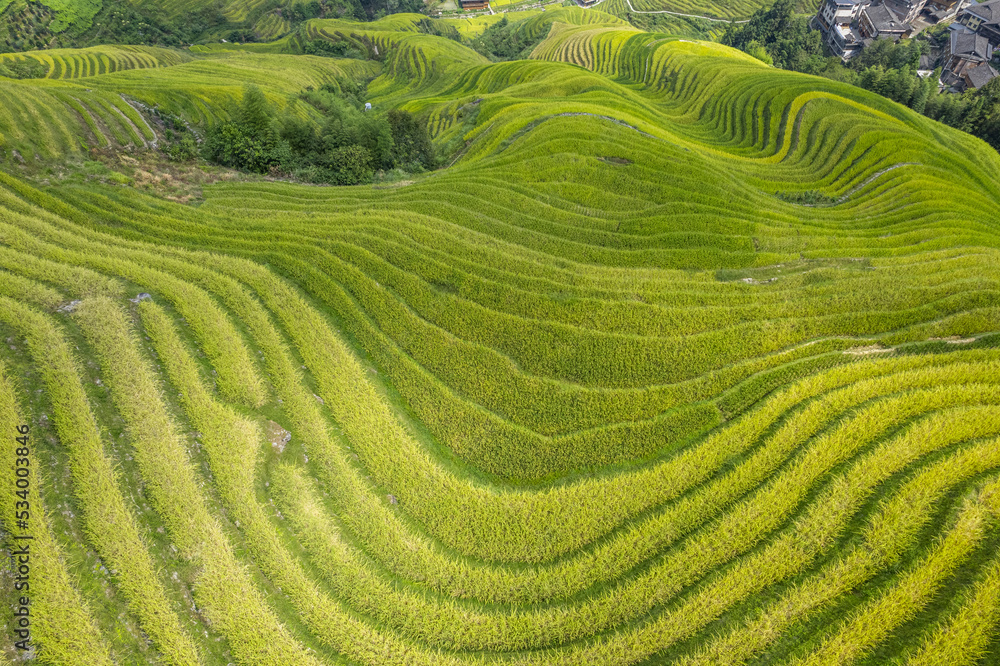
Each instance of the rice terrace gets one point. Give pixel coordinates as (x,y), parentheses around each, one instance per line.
(390,333)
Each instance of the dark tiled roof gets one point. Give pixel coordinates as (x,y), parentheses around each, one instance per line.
(907,4)
(981,75)
(970,45)
(885,20)
(988,11)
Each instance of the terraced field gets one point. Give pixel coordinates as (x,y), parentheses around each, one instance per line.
(711,16)
(597,392)
(271,26)
(50,119)
(94,61)
(77,16)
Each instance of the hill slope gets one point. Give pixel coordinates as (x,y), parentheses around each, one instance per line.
(28,24)
(683,360)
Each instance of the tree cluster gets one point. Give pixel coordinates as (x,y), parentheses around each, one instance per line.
(376,9)
(120,22)
(439,28)
(336,143)
(975,111)
(332,49)
(778,36)
(299,12)
(505,41)
(305,11)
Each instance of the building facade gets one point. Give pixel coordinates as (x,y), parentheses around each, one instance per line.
(906,10)
(983,19)
(838,12)
(942,10)
(848,24)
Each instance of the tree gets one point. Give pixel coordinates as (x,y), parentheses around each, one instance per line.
(925,88)
(250,141)
(410,138)
(255,112)
(300,134)
(786,37)
(506,41)
(983,116)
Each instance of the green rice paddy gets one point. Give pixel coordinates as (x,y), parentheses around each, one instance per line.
(595,392)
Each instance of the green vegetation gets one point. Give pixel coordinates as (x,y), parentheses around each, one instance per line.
(346,147)
(81,63)
(784,36)
(638,350)
(504,40)
(777,36)
(43,24)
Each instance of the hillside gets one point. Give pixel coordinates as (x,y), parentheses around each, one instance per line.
(46,24)
(677,359)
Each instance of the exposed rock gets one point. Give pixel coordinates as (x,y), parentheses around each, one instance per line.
(141,297)
(393,500)
(870,349)
(277,435)
(68,307)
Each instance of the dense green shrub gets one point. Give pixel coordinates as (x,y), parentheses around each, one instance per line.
(506,41)
(180,147)
(332,49)
(347,146)
(778,30)
(412,146)
(808,198)
(249,141)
